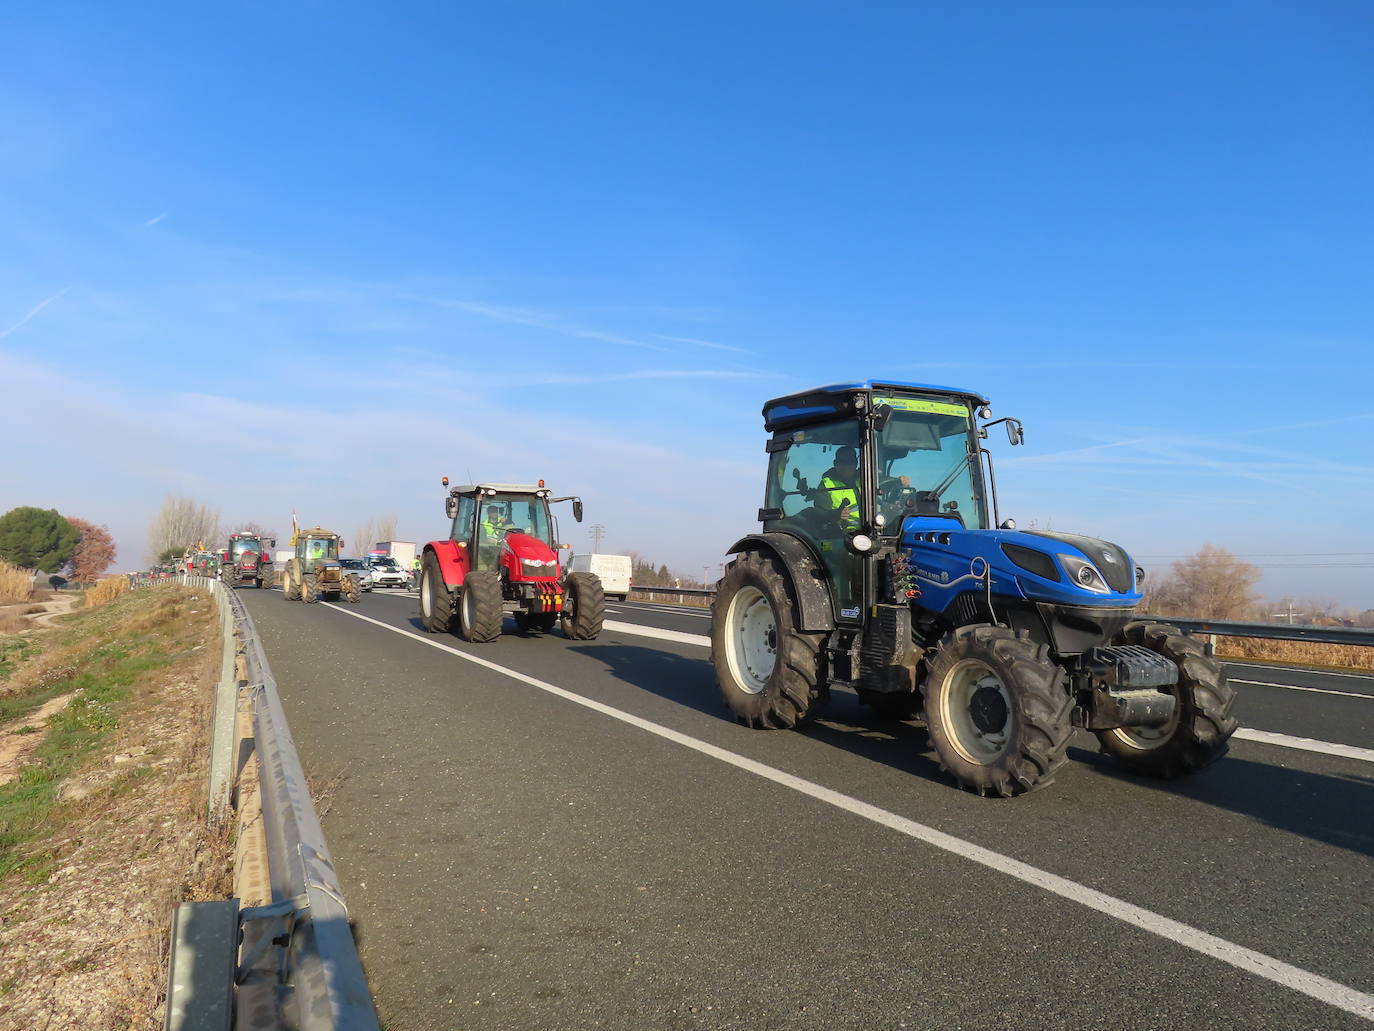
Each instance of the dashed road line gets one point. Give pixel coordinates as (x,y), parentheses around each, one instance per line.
(1313,985)
(1306,744)
(1298,687)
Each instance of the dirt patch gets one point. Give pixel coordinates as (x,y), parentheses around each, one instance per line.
(18,740)
(102,832)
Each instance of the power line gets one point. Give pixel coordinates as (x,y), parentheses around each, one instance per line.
(598,533)
(1282,554)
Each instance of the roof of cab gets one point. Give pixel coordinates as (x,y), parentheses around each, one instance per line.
(500,488)
(876,384)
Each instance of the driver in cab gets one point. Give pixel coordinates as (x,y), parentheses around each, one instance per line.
(839,490)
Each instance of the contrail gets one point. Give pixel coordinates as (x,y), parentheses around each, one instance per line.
(33,311)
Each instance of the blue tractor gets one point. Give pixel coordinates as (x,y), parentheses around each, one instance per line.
(884,566)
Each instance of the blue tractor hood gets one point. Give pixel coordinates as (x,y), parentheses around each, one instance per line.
(945,560)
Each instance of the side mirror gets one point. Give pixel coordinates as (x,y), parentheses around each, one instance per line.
(881,415)
(577,509)
(1015,433)
(450,506)
(271,542)
(341,544)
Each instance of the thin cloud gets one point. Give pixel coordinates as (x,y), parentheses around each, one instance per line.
(620,377)
(536,319)
(155,220)
(33,311)
(704,343)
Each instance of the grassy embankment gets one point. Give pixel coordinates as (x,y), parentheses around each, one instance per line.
(103,750)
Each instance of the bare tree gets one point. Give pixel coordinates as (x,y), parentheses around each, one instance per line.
(1212,584)
(249,526)
(386,527)
(364,537)
(95,551)
(181,523)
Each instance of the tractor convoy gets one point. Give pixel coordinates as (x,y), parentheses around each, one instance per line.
(882,566)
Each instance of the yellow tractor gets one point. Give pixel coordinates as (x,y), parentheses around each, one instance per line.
(314,572)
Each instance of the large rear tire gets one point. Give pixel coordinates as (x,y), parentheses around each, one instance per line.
(436,600)
(310,589)
(998,711)
(1199,733)
(767,668)
(584,607)
(290,587)
(479,607)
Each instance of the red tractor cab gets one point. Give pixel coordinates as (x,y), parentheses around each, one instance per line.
(503,556)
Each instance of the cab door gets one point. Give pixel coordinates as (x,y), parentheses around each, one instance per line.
(793,503)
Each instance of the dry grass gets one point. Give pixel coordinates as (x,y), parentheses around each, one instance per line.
(12,621)
(1297,653)
(106,590)
(15,584)
(106,822)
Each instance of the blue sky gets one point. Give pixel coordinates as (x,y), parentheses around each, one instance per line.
(318,255)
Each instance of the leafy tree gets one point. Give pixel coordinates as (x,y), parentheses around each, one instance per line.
(94,552)
(36,538)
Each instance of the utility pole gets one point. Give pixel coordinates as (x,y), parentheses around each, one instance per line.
(1288,605)
(598,532)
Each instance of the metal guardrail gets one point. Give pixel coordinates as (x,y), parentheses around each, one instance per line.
(1358,636)
(296,960)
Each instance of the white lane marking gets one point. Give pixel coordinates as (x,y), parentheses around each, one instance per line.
(1272,668)
(674,610)
(677,636)
(1307,744)
(1323,989)
(1296,687)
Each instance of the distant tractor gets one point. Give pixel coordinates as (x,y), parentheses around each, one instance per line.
(502,556)
(247,559)
(314,571)
(883,566)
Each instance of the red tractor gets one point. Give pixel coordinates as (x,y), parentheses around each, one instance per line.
(247,560)
(502,556)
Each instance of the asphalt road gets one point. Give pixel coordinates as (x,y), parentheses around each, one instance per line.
(583,837)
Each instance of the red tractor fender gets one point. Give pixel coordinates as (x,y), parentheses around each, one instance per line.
(453,561)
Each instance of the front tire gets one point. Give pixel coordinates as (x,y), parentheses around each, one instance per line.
(584,607)
(310,589)
(998,711)
(436,600)
(479,607)
(767,668)
(1199,732)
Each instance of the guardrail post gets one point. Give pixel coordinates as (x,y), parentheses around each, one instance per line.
(200,966)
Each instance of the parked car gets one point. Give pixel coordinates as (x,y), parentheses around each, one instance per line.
(359,570)
(387,572)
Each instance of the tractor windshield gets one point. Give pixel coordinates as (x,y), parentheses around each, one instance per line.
(243,544)
(500,514)
(318,549)
(927,463)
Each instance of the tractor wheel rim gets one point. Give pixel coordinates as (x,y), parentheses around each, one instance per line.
(468,607)
(752,639)
(977,710)
(426,596)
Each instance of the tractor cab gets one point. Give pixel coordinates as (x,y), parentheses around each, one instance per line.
(849,464)
(315,548)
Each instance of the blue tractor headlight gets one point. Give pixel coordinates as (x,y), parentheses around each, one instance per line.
(1084,574)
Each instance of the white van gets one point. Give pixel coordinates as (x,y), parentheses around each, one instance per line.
(612,570)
